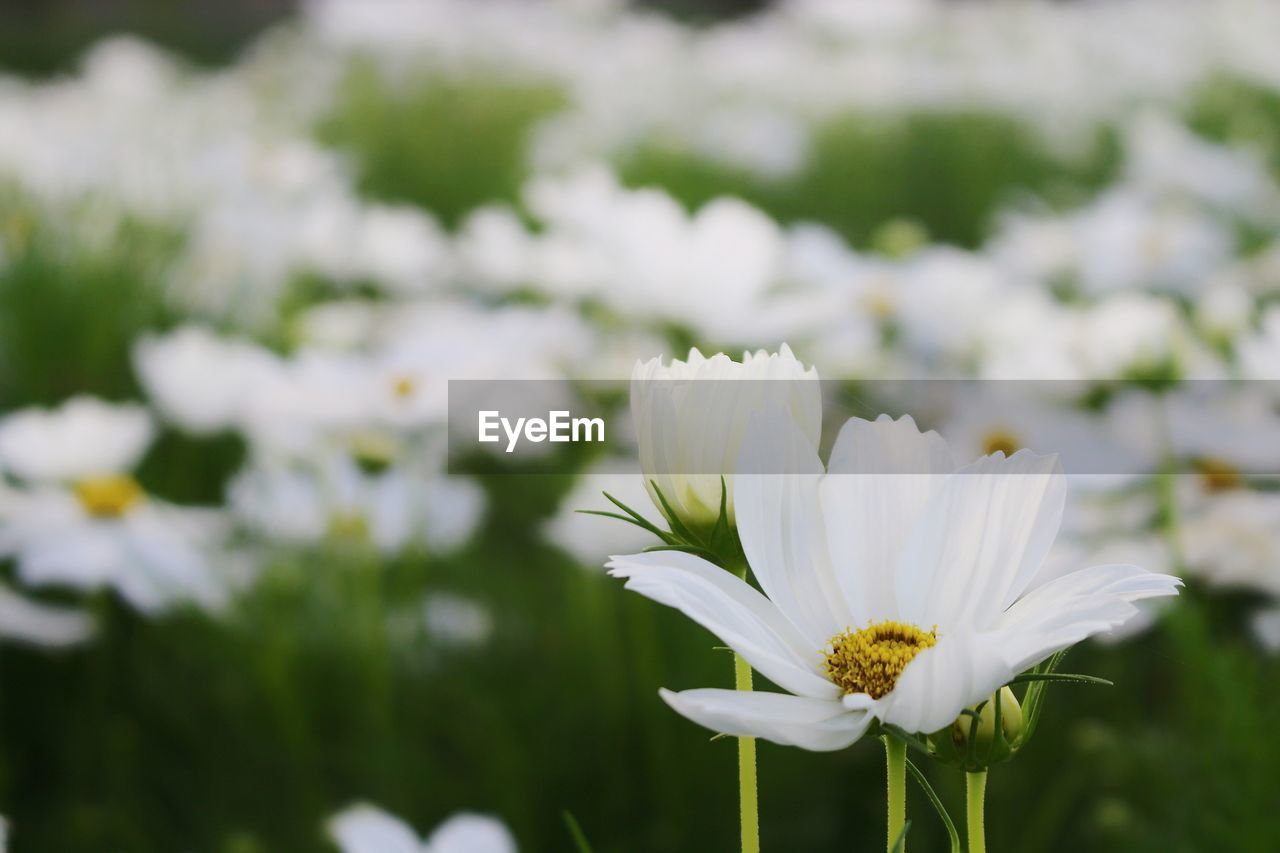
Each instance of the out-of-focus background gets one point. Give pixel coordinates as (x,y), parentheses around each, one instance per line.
(244,245)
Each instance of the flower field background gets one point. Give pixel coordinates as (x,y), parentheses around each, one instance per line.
(241,590)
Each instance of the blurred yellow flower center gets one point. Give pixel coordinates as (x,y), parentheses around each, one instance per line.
(870,660)
(1000,441)
(1219,476)
(108,497)
(350,526)
(374,450)
(404,387)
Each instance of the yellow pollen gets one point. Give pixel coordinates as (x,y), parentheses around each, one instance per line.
(1219,476)
(108,497)
(1000,441)
(404,387)
(870,660)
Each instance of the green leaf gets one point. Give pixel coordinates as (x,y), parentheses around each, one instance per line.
(937,804)
(1033,699)
(575,832)
(1066,677)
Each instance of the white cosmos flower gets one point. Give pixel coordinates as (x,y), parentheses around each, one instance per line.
(199,381)
(585,536)
(401,506)
(26,621)
(690,417)
(107,532)
(891,558)
(84,437)
(80,519)
(363,828)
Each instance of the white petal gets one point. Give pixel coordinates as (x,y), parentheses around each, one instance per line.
(471,833)
(817,724)
(732,610)
(881,477)
(982,539)
(1266,628)
(1070,608)
(41,624)
(961,670)
(365,829)
(781,527)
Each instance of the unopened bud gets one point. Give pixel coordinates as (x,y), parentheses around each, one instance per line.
(974,744)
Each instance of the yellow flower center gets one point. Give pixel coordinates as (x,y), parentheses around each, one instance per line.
(1000,441)
(404,387)
(373,450)
(870,660)
(108,497)
(1219,476)
(349,526)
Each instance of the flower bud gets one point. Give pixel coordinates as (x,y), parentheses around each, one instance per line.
(690,418)
(953,744)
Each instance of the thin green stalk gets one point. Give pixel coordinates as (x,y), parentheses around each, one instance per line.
(895,756)
(747,795)
(975,795)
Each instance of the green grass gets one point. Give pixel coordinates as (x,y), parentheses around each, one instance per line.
(70,311)
(947,171)
(446,145)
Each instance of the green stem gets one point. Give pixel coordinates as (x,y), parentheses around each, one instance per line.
(895,756)
(747,795)
(975,794)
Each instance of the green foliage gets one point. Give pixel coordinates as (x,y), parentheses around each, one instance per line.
(1229,109)
(947,171)
(447,145)
(71,307)
(49,36)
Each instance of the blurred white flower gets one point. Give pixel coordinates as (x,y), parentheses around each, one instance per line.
(690,417)
(1260,352)
(637,251)
(1223,310)
(200,381)
(1130,333)
(1127,241)
(1027,335)
(1266,627)
(1164,157)
(363,828)
(1011,416)
(892,536)
(314,397)
(41,625)
(80,519)
(84,437)
(591,538)
(1232,538)
(945,301)
(456,620)
(393,505)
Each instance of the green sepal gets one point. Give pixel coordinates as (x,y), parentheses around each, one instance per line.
(717,543)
